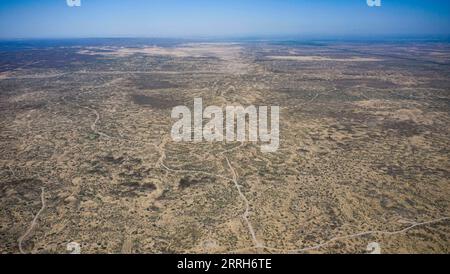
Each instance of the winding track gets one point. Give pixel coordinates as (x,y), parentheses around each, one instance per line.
(33,223)
(247,206)
(335,239)
(94,124)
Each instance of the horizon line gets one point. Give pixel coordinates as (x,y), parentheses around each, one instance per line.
(250,36)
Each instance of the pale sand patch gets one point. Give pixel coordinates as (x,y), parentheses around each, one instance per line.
(322,58)
(420,141)
(397,111)
(438,53)
(4,75)
(412,114)
(382,105)
(230,52)
(224,51)
(375,103)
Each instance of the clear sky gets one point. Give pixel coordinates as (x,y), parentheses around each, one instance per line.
(193,18)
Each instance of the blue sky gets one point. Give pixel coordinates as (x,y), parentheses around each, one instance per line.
(194,18)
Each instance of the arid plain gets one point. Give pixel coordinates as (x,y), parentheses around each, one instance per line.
(87,156)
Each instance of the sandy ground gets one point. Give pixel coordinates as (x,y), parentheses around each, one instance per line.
(363,156)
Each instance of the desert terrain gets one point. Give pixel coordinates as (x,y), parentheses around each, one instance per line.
(87,157)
